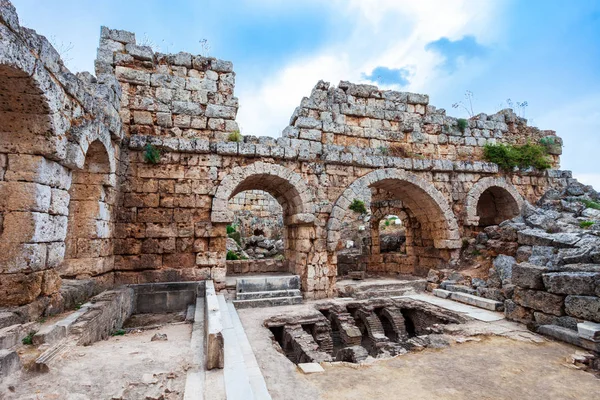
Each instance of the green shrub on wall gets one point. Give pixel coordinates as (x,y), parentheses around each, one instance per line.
(462,124)
(151,154)
(508,156)
(358,206)
(231,255)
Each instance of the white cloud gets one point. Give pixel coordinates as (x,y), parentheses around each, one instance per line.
(390,33)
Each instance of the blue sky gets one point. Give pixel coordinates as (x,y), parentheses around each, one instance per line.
(545,52)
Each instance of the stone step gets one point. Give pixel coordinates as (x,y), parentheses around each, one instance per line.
(567,335)
(268,294)
(257,381)
(265,284)
(8,318)
(460,289)
(477,301)
(237,382)
(272,302)
(9,363)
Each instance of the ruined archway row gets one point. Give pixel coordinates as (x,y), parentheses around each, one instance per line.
(127,175)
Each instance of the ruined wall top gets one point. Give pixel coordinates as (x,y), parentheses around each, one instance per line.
(186,103)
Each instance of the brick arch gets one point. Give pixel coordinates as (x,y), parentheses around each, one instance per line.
(288,188)
(428,205)
(507,200)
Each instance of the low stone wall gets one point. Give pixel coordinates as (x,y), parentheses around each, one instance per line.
(105,313)
(166,297)
(561,296)
(257,266)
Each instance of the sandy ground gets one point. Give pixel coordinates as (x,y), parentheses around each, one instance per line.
(516,365)
(103,370)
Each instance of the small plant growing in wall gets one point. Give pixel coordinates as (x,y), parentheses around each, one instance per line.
(462,124)
(508,156)
(585,224)
(151,154)
(231,255)
(358,206)
(119,332)
(384,150)
(235,136)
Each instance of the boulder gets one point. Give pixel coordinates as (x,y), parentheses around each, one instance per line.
(504,265)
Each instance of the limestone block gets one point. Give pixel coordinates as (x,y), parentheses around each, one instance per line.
(515,312)
(30,168)
(580,283)
(528,276)
(539,300)
(132,75)
(584,307)
(117,35)
(18,289)
(24,196)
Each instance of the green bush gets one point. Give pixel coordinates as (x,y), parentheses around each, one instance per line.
(237,236)
(231,229)
(358,206)
(462,124)
(28,340)
(151,154)
(231,255)
(119,332)
(586,224)
(508,156)
(590,204)
(235,136)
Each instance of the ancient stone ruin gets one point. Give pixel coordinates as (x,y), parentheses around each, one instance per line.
(134,185)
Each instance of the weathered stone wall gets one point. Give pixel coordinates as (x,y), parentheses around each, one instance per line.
(257,213)
(48,120)
(147,222)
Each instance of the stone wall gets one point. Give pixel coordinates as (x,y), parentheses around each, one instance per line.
(49,118)
(257,213)
(132,221)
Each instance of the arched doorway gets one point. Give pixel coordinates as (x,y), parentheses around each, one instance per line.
(433,227)
(302,253)
(491,201)
(32,183)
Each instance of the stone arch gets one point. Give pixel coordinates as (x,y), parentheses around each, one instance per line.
(428,205)
(88,244)
(490,201)
(288,188)
(33,181)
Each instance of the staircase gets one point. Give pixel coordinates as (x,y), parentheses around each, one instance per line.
(267,291)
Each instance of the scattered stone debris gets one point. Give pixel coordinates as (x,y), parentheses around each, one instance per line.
(159,336)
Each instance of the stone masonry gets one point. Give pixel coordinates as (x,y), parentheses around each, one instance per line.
(78,198)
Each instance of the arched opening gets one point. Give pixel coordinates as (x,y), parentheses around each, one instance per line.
(32,190)
(256,232)
(430,228)
(491,201)
(88,246)
(298,233)
(495,205)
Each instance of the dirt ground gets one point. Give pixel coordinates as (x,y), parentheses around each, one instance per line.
(131,366)
(495,368)
(515,364)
